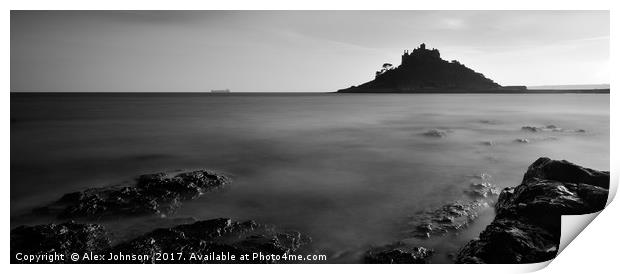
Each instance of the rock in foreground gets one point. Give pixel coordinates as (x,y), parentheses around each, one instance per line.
(62,239)
(398,254)
(199,242)
(158,194)
(527,226)
(482,190)
(450,217)
(454,216)
(215,237)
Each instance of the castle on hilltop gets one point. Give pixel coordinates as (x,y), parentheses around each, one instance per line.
(423,70)
(419,54)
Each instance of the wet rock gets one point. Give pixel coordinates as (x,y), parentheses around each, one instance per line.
(541,129)
(125,231)
(437,133)
(185,186)
(454,216)
(216,236)
(206,238)
(511,241)
(398,254)
(489,122)
(448,218)
(535,139)
(482,190)
(112,201)
(553,128)
(159,194)
(531,128)
(541,198)
(527,226)
(548,128)
(65,238)
(564,171)
(488,143)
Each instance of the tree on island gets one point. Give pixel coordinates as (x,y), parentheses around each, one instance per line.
(384,68)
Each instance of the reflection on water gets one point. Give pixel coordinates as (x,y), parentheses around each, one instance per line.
(344,168)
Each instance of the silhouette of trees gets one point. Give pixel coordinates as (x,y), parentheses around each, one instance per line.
(384,68)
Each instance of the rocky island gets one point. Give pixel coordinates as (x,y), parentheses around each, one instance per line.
(424,71)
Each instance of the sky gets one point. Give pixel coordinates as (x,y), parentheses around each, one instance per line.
(294,51)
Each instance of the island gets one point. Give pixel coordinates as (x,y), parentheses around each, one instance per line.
(424,71)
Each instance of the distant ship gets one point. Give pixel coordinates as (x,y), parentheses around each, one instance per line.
(220,90)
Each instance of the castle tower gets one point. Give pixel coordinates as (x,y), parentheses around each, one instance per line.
(406,56)
(423,46)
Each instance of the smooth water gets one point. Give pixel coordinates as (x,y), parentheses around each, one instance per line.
(346,169)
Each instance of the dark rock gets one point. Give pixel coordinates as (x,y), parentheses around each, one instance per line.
(448,218)
(553,128)
(488,143)
(527,226)
(125,231)
(109,201)
(489,122)
(184,186)
(216,236)
(511,241)
(549,128)
(595,198)
(547,197)
(564,171)
(206,238)
(531,128)
(159,194)
(455,216)
(482,190)
(398,254)
(535,139)
(436,133)
(65,238)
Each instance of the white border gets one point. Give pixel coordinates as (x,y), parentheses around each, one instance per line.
(593,251)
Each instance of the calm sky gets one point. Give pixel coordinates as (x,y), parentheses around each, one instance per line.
(295,50)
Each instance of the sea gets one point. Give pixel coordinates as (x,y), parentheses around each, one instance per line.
(346,169)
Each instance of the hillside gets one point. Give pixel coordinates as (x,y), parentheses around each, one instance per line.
(423,70)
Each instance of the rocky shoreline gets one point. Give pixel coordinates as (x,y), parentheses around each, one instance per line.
(158,195)
(526,228)
(210,241)
(527,225)
(153,194)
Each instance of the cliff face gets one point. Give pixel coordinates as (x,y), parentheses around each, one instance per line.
(423,69)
